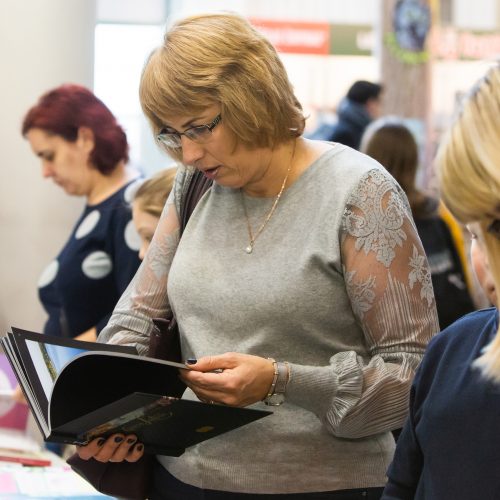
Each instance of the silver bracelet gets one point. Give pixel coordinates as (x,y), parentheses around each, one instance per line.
(275,378)
(276,395)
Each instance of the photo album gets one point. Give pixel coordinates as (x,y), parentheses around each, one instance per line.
(80,390)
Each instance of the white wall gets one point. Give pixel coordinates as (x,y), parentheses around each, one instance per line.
(132,11)
(339,11)
(477,14)
(43,43)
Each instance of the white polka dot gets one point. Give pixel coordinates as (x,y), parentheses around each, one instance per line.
(132,238)
(6,404)
(48,274)
(88,224)
(97,265)
(131,190)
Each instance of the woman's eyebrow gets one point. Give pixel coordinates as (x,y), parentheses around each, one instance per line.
(183,126)
(201,117)
(186,124)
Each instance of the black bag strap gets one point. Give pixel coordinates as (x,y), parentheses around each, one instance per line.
(164,340)
(198,186)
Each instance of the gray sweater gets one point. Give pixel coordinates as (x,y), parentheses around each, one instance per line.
(337,285)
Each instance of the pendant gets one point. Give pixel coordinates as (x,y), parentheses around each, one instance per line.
(249,249)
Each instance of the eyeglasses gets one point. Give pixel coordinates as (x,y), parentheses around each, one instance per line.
(199,134)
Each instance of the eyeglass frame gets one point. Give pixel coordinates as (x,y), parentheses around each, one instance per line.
(175,136)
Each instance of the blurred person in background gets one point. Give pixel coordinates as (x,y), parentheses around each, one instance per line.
(84,150)
(450,444)
(389,141)
(360,106)
(148,204)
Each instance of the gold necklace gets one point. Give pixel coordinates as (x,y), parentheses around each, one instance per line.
(249,248)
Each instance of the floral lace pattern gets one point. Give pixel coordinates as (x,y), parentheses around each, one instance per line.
(376,227)
(420,272)
(362,293)
(390,296)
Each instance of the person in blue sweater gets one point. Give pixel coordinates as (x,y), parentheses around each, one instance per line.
(450,445)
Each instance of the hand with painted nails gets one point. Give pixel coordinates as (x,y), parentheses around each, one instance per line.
(232,378)
(116,448)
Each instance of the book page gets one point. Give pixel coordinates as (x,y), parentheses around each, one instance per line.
(49,360)
(39,359)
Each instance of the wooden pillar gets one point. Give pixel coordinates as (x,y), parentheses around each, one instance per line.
(405,72)
(406,68)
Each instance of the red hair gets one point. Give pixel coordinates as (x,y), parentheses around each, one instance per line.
(63,110)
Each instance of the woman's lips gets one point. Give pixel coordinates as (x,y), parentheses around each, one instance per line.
(211,173)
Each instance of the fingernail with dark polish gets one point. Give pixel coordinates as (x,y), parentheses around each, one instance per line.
(139,447)
(100,441)
(131,440)
(191,361)
(118,439)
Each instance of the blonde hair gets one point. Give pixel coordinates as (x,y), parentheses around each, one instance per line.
(470,179)
(153,192)
(221,59)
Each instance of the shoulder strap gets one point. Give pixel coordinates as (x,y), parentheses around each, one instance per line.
(164,339)
(198,186)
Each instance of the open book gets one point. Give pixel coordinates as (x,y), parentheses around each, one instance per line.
(80,390)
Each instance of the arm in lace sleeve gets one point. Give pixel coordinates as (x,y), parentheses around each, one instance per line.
(389,285)
(146,296)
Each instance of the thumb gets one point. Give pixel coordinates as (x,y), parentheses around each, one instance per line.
(212,363)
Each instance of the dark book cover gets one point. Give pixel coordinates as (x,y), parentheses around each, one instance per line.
(81,390)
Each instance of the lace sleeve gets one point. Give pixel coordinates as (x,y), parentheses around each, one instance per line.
(389,284)
(146,296)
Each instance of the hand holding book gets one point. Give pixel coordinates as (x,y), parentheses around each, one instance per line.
(79,391)
(116,448)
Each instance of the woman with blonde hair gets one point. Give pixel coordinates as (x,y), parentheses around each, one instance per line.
(299,283)
(148,204)
(449,447)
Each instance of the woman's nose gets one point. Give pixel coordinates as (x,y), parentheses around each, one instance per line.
(47,170)
(143,250)
(191,151)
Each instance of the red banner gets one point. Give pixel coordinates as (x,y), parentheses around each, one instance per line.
(296,37)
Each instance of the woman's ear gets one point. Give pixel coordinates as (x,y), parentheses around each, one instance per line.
(85,139)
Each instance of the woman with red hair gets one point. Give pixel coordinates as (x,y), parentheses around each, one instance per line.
(84,150)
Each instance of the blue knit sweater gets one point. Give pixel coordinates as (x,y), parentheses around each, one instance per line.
(450,445)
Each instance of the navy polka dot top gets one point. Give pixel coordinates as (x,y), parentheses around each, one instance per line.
(80,288)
